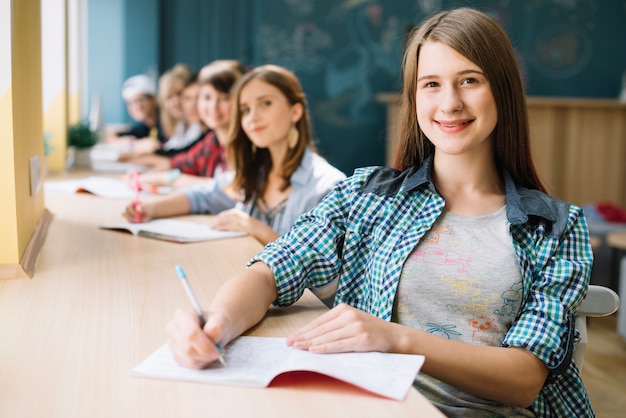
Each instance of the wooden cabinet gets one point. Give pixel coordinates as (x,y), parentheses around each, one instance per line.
(579,145)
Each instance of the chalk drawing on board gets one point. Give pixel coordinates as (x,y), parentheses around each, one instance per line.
(298,50)
(349,71)
(561,51)
(300,8)
(428,7)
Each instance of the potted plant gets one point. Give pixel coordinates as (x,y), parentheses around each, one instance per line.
(80,139)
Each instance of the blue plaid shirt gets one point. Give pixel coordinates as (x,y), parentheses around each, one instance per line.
(365,229)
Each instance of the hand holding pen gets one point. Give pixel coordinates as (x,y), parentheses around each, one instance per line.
(136,202)
(196,305)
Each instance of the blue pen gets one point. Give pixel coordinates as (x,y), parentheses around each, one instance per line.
(194,301)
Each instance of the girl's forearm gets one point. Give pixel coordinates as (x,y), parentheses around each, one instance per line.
(245,299)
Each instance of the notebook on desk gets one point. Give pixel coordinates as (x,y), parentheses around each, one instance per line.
(174,230)
(256,361)
(105,187)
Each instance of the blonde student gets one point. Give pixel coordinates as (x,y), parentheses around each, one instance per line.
(171,86)
(206,157)
(458,254)
(189,130)
(277,173)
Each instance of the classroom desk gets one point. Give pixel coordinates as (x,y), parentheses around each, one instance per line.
(97,306)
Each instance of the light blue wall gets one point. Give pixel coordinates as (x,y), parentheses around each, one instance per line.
(122,40)
(141,40)
(105,58)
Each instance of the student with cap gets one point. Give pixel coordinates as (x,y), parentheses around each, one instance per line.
(139,94)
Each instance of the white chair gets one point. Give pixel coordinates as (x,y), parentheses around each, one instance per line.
(600,301)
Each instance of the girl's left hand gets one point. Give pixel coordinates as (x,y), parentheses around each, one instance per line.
(233,220)
(344,329)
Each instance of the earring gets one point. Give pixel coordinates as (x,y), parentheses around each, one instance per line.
(293,137)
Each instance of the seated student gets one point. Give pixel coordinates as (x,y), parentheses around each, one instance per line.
(171,85)
(458,255)
(190,129)
(206,157)
(139,94)
(277,176)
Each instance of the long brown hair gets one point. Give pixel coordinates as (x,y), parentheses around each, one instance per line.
(252,166)
(482,40)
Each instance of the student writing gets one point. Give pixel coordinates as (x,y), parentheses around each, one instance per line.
(278,175)
(458,254)
(206,157)
(139,94)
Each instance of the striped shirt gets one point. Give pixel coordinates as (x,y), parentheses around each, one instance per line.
(364,230)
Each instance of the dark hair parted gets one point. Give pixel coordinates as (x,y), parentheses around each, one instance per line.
(253,165)
(482,40)
(221,74)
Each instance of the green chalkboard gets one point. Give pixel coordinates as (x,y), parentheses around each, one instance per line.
(347,51)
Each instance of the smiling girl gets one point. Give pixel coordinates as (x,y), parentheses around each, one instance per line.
(277,176)
(458,254)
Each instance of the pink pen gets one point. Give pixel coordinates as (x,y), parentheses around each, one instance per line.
(136,204)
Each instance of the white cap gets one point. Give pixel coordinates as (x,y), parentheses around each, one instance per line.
(138,84)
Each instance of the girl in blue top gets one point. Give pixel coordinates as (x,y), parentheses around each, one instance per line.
(458,254)
(277,177)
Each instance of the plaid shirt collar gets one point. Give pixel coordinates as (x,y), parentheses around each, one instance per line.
(521,202)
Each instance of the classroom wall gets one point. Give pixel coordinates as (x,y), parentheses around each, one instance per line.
(105,56)
(122,40)
(21,129)
(75,69)
(345,52)
(54,81)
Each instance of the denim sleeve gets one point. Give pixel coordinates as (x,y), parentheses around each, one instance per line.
(209,196)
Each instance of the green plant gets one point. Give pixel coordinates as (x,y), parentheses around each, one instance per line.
(81,136)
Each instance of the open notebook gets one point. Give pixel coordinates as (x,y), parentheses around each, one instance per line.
(174,230)
(105,187)
(256,361)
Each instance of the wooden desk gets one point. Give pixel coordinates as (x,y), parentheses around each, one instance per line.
(97,306)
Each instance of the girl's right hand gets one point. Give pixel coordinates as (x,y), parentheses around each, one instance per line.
(192,346)
(144,212)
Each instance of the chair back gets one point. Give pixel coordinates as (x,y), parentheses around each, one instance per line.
(600,301)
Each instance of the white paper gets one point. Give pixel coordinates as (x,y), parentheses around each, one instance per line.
(255,361)
(174,230)
(106,187)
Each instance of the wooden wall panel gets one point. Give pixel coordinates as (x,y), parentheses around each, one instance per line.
(579,146)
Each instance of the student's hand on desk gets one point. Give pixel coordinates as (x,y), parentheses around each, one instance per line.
(344,329)
(145,210)
(191,346)
(233,220)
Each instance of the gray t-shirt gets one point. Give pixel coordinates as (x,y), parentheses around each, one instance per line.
(462,282)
